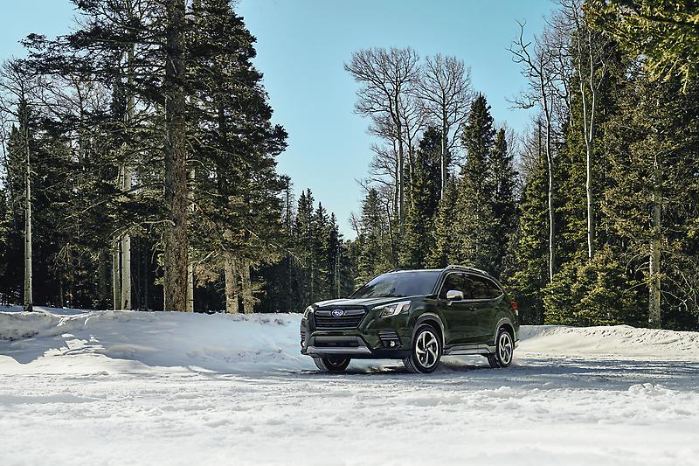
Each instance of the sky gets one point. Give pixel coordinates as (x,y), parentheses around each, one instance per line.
(302,46)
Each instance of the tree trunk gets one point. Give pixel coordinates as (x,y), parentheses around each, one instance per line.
(126,183)
(400,181)
(590,212)
(549,161)
(103,278)
(443,154)
(175,235)
(231,278)
(28,273)
(116,275)
(190,265)
(654,286)
(248,299)
(190,287)
(125,252)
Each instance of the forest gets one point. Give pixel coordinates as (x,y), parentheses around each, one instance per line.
(139,168)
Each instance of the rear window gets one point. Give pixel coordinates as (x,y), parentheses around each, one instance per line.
(399,284)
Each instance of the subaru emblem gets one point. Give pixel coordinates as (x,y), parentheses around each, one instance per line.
(337,313)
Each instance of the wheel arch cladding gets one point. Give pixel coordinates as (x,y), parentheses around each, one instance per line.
(507,325)
(432,320)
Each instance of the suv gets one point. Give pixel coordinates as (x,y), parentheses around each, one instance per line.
(416,316)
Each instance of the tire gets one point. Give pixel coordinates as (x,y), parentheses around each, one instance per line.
(426,350)
(504,350)
(332,363)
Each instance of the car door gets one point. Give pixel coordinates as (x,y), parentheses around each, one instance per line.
(486,299)
(459,315)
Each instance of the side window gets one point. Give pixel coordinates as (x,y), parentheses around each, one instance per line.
(484,288)
(458,282)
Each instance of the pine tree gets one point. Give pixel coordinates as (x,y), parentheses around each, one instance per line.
(504,203)
(531,246)
(651,196)
(475,220)
(446,244)
(14,217)
(236,187)
(598,292)
(372,240)
(425,191)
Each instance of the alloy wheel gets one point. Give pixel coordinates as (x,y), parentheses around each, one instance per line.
(505,348)
(427,348)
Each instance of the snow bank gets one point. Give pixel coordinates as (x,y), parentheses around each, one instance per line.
(615,341)
(261,343)
(221,343)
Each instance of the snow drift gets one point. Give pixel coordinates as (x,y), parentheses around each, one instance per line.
(223,343)
(269,342)
(614,341)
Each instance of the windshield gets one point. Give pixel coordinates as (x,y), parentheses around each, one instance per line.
(399,284)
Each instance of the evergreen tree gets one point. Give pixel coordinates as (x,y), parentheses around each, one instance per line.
(475,222)
(504,203)
(652,192)
(446,244)
(372,240)
(598,292)
(531,246)
(425,191)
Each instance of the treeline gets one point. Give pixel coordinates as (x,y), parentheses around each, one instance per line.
(597,222)
(139,170)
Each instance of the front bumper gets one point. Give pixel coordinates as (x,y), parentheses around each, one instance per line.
(372,340)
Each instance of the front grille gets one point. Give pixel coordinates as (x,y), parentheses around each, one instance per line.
(350,318)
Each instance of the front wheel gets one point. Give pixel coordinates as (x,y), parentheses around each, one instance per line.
(332,363)
(504,349)
(426,351)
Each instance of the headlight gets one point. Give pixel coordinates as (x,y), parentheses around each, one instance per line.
(393,309)
(307,312)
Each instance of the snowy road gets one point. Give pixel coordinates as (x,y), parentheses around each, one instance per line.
(88,394)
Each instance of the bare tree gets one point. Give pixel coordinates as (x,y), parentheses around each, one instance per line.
(388,79)
(536,61)
(445,91)
(589,56)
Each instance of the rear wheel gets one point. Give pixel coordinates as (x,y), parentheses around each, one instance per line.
(426,350)
(504,350)
(332,363)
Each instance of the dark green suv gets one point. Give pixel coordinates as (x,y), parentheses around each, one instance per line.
(416,316)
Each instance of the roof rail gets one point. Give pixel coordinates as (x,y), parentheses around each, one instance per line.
(465,267)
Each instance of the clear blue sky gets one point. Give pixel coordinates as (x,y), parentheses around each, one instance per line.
(302,45)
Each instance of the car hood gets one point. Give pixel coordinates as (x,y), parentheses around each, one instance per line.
(365,302)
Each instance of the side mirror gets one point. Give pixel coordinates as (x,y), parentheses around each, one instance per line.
(455,295)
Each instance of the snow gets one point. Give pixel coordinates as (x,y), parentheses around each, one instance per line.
(120,387)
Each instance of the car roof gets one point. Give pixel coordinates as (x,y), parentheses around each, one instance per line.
(458,268)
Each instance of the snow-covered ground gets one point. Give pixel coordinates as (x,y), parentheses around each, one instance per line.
(121,388)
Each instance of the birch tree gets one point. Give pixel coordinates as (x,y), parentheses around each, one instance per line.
(587,50)
(536,63)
